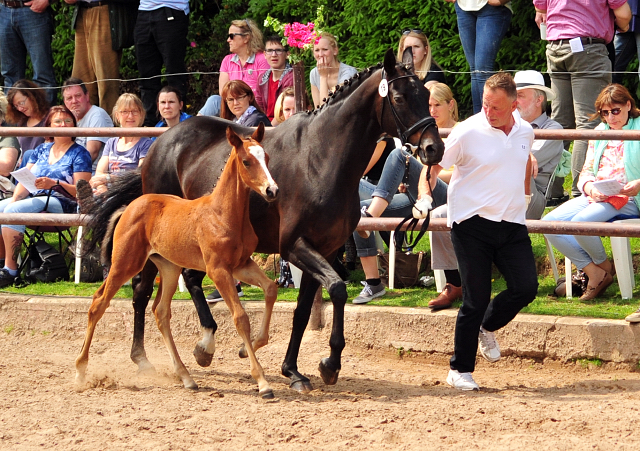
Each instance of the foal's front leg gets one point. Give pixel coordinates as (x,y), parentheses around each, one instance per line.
(226,285)
(251,273)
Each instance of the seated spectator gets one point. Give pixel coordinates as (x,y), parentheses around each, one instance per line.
(329,72)
(605,160)
(125,153)
(9,154)
(425,66)
(276,79)
(246,62)
(170,107)
(285,106)
(385,202)
(28,107)
(77,99)
(58,162)
(532,106)
(239,105)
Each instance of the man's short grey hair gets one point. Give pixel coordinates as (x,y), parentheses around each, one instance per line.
(540,92)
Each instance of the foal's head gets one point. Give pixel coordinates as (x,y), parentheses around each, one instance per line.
(253,163)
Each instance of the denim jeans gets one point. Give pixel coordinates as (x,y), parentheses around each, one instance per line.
(627,46)
(581,249)
(29,205)
(23,32)
(211,106)
(478,243)
(577,79)
(399,204)
(481,33)
(160,38)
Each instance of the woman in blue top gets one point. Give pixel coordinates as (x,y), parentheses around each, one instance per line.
(239,105)
(59,162)
(127,152)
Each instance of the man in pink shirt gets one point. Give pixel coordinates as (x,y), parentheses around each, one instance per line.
(578,60)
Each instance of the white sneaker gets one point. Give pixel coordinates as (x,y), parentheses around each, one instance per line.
(488,345)
(461,381)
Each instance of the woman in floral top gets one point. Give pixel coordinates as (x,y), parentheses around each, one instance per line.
(59,162)
(606,160)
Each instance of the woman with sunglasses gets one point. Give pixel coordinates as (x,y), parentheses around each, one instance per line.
(610,160)
(246,61)
(27,107)
(125,153)
(58,162)
(482,25)
(239,105)
(425,66)
(329,72)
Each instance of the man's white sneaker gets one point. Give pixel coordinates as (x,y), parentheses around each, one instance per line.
(461,381)
(488,345)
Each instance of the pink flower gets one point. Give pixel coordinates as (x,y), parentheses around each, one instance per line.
(193,44)
(299,35)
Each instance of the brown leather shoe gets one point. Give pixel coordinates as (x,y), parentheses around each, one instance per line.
(444,300)
(593,292)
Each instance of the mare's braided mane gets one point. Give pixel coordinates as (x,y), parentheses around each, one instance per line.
(346,88)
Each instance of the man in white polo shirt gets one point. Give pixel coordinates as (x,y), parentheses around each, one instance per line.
(487,205)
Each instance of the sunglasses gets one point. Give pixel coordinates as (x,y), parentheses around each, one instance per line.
(614,111)
(233,35)
(412,30)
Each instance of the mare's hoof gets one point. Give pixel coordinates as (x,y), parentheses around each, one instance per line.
(303,387)
(202,357)
(329,376)
(267,394)
(190,385)
(242,352)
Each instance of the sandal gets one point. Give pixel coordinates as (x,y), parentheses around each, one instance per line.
(593,292)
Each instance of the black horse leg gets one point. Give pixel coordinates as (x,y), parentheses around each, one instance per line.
(315,265)
(142,289)
(205,348)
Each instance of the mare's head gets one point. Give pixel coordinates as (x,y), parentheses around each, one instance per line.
(253,162)
(406,108)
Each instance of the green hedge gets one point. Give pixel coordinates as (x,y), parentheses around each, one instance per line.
(365,29)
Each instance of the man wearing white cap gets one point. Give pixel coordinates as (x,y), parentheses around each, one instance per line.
(532,105)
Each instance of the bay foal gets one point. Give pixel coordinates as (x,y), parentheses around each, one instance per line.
(211,234)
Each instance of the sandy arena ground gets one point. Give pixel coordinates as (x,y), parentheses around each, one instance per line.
(380,401)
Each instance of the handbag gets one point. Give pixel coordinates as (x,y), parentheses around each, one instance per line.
(408,268)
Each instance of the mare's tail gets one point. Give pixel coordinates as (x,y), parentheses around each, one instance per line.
(124,189)
(107,241)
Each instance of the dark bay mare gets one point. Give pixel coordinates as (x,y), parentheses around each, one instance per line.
(318,159)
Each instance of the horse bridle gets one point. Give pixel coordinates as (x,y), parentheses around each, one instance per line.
(422,125)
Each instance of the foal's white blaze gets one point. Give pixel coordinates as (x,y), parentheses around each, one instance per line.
(258,152)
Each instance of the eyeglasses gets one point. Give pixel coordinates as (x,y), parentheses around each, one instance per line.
(18,105)
(412,30)
(62,121)
(232,100)
(614,111)
(274,51)
(130,113)
(233,35)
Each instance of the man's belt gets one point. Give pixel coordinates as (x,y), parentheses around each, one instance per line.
(585,41)
(15,3)
(92,4)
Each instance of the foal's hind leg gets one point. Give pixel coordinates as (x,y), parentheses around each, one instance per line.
(169,274)
(226,285)
(252,274)
(142,291)
(120,272)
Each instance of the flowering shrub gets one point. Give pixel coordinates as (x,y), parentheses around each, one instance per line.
(301,36)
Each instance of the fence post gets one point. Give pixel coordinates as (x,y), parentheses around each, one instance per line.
(299,87)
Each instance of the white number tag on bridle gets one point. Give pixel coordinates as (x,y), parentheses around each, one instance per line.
(383,88)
